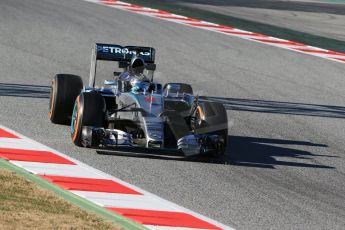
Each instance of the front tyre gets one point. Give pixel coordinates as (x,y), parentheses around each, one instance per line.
(89,110)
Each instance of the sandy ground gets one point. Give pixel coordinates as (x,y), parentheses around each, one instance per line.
(24,205)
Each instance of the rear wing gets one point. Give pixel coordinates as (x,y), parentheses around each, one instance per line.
(107,52)
(112,52)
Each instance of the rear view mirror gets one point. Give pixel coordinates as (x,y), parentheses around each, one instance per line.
(173,87)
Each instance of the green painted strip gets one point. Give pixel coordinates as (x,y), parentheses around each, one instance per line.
(79,201)
(244,24)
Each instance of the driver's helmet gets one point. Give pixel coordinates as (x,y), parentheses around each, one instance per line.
(137,65)
(139,86)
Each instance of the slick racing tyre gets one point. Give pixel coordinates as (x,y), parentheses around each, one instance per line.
(64,90)
(177,88)
(89,110)
(211,118)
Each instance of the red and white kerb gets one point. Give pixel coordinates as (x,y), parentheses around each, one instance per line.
(102,189)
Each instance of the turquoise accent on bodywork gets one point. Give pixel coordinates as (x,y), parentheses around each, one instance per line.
(73,118)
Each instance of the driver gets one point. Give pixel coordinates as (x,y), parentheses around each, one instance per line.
(135,78)
(137,65)
(136,69)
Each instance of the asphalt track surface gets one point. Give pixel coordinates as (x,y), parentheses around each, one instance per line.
(285,167)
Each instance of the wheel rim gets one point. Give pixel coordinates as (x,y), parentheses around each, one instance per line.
(74,119)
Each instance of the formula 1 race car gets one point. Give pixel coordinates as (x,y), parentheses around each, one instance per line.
(134,111)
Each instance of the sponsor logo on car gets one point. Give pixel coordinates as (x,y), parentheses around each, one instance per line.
(150,99)
(118,50)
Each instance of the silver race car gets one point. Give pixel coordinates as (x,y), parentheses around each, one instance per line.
(131,110)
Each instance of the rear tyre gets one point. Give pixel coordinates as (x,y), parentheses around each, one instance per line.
(89,110)
(211,118)
(64,90)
